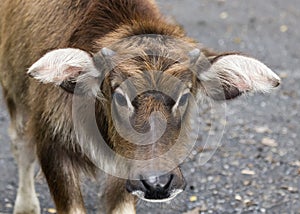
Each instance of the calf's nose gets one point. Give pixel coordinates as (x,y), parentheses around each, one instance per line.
(159,183)
(156,187)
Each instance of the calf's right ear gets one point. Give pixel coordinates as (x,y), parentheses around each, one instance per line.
(68,68)
(231,75)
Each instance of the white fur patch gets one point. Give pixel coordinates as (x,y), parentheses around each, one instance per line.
(141,195)
(244,73)
(130,106)
(177,102)
(125,208)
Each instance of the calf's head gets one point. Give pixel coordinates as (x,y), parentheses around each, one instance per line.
(146,91)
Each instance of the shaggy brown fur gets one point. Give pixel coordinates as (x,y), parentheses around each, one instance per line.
(31,28)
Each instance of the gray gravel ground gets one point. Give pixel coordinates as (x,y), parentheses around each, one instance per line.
(256,169)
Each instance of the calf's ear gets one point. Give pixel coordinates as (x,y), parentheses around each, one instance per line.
(68,68)
(231,75)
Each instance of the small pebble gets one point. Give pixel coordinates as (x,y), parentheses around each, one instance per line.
(269,142)
(248,202)
(193,198)
(263,210)
(249,193)
(224,15)
(248,172)
(8,205)
(262,129)
(238,198)
(51,210)
(246,183)
(226,167)
(296,163)
(284,28)
(290,189)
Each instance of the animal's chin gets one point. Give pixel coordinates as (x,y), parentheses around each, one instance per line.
(141,195)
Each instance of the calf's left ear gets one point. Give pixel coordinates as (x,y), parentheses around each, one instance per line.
(68,68)
(231,75)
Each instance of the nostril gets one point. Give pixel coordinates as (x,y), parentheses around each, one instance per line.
(161,182)
(146,185)
(167,186)
(156,187)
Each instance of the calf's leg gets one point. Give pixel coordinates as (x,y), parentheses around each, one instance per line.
(25,156)
(60,167)
(117,199)
(24,152)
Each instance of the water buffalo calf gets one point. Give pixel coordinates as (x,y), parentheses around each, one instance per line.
(110,85)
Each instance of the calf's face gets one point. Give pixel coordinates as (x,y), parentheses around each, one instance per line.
(151,115)
(148,101)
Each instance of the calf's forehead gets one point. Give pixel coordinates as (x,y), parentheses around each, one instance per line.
(151,62)
(152,72)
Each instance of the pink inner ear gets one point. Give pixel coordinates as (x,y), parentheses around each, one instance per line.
(243,86)
(70,73)
(73,70)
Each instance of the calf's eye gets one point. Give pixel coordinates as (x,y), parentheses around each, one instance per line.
(183,99)
(120,99)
